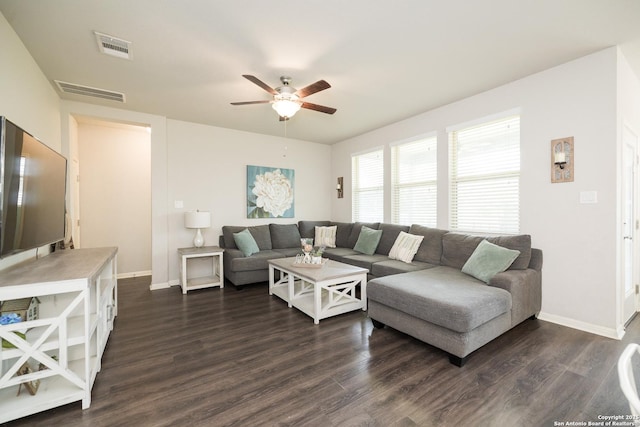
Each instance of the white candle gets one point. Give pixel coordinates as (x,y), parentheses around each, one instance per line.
(560,157)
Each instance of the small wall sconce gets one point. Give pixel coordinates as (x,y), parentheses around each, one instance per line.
(562,160)
(340,187)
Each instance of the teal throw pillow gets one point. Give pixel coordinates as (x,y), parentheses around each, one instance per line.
(245,242)
(488,260)
(368,240)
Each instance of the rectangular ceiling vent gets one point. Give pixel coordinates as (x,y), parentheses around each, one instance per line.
(114,46)
(90,91)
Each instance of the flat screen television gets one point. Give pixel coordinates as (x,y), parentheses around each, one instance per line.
(32,191)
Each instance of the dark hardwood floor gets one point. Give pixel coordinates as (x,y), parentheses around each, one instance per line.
(219,357)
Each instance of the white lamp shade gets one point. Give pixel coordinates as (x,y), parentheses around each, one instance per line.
(198,219)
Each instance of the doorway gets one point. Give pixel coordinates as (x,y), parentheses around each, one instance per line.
(114,190)
(630,223)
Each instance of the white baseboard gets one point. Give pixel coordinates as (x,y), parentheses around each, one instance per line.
(582,326)
(165,285)
(134,274)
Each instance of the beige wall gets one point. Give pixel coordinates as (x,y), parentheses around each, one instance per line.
(115,192)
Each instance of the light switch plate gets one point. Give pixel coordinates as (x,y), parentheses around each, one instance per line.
(588,197)
(178,204)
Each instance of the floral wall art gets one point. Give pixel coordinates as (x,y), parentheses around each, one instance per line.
(270,192)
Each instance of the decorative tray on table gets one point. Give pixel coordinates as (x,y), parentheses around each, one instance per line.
(301,262)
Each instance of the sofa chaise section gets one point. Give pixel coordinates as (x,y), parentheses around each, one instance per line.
(453,311)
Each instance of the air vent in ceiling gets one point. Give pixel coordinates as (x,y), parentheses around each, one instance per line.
(113,46)
(90,91)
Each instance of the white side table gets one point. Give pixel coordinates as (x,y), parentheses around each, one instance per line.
(217,270)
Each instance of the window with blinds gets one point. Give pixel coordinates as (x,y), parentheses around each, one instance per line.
(367,180)
(414,173)
(485,177)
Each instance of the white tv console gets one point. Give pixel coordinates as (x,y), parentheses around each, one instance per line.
(78,294)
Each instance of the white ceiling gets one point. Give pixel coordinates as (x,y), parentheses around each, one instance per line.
(385,60)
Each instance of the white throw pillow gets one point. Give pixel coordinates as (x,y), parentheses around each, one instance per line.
(405,247)
(326,236)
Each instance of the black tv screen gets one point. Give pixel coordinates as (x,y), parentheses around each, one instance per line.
(32,191)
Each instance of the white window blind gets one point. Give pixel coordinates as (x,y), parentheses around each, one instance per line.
(367,176)
(485,177)
(414,173)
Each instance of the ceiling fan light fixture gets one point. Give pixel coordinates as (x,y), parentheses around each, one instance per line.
(286,108)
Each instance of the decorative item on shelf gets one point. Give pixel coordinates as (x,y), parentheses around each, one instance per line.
(197,220)
(562,160)
(340,187)
(8,319)
(18,310)
(31,386)
(27,308)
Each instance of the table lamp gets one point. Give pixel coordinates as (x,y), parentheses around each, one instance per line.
(197,220)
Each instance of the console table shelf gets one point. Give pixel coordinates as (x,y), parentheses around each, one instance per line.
(78,295)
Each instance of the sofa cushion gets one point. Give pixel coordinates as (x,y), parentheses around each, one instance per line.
(326,236)
(488,260)
(392,266)
(245,242)
(443,296)
(284,236)
(308,228)
(339,254)
(365,261)
(368,241)
(258,261)
(390,233)
(355,231)
(342,234)
(405,247)
(288,252)
(260,233)
(457,248)
(430,249)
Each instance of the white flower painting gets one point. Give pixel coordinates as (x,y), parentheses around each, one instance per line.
(269,192)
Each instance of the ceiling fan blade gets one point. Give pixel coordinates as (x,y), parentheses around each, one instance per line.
(250,102)
(260,83)
(312,88)
(317,107)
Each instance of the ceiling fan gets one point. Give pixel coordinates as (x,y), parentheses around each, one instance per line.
(287,100)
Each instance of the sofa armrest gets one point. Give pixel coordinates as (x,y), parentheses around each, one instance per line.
(536,259)
(525,287)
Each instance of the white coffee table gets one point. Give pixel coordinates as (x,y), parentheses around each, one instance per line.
(319,292)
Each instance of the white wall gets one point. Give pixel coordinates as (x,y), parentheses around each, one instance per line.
(207,171)
(115,192)
(579,240)
(28,100)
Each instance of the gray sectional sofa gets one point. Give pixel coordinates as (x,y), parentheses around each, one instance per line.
(429,298)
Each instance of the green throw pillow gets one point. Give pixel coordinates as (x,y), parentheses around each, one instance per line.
(368,240)
(245,242)
(488,260)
